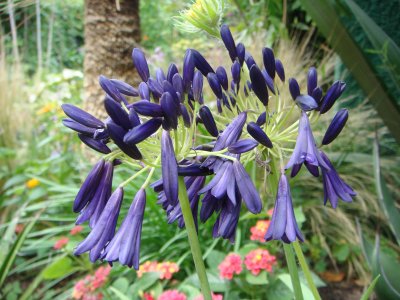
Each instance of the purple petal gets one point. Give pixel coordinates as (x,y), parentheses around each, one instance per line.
(169,168)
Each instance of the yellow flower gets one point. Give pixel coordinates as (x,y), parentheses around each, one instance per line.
(46,108)
(32,183)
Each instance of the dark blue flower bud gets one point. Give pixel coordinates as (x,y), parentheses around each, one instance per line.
(241,53)
(111,89)
(269,61)
(294,88)
(258,84)
(187,120)
(249,60)
(169,169)
(147,108)
(222,77)
(262,118)
(172,70)
(229,43)
(312,80)
(259,135)
(133,117)
(117,134)
(188,70)
(225,102)
(197,86)
(201,63)
(235,69)
(242,146)
(168,88)
(117,113)
(333,93)
(214,84)
(101,134)
(269,81)
(168,105)
(81,116)
(155,87)
(144,91)
(125,88)
(280,70)
(140,62)
(306,103)
(142,132)
(336,126)
(193,170)
(208,120)
(160,76)
(78,127)
(96,145)
(317,94)
(177,83)
(219,106)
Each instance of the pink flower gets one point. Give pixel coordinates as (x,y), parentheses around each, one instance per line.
(259,259)
(59,244)
(166,269)
(269,212)
(213,297)
(85,288)
(232,264)
(100,277)
(148,296)
(172,295)
(76,230)
(259,231)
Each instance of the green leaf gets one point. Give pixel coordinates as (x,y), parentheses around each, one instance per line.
(370,289)
(307,294)
(260,279)
(386,201)
(247,248)
(278,290)
(144,282)
(214,259)
(119,294)
(341,252)
(58,268)
(121,284)
(331,26)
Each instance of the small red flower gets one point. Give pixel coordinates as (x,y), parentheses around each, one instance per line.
(259,259)
(232,264)
(59,244)
(148,296)
(76,230)
(172,295)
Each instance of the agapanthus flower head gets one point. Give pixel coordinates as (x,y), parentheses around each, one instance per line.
(258,260)
(231,265)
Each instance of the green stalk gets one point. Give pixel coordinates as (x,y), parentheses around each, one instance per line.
(306,270)
(193,240)
(294,275)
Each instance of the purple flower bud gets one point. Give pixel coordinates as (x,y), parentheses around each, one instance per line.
(317,94)
(246,188)
(117,134)
(193,170)
(167,86)
(235,69)
(144,91)
(262,118)
(294,88)
(336,126)
(78,127)
(142,132)
(306,103)
(172,70)
(312,80)
(160,76)
(125,88)
(249,60)
(197,86)
(229,43)
(241,52)
(280,70)
(101,134)
(269,61)
(187,120)
(97,145)
(177,83)
(88,187)
(188,69)
(149,109)
(111,89)
(222,77)
(258,84)
(169,169)
(242,146)
(214,84)
(231,133)
(208,121)
(155,87)
(219,105)
(259,135)
(81,116)
(200,63)
(269,81)
(140,62)
(168,106)
(134,118)
(117,113)
(333,93)
(225,102)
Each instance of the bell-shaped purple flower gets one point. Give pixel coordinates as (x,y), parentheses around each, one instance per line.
(81,116)
(125,245)
(147,108)
(140,62)
(258,84)
(336,126)
(222,77)
(294,88)
(169,169)
(283,224)
(305,150)
(242,146)
(117,113)
(228,40)
(201,63)
(280,70)
(144,91)
(226,223)
(193,170)
(142,132)
(208,120)
(312,80)
(269,61)
(259,135)
(214,84)
(333,93)
(104,229)
(334,186)
(306,102)
(97,145)
(125,88)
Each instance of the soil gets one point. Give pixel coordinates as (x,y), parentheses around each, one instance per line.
(341,290)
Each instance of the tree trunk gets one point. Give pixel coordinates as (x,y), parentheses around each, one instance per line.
(112,29)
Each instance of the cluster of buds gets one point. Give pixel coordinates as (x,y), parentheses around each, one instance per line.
(177,128)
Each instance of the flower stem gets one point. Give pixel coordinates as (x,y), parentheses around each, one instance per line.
(306,270)
(193,240)
(294,275)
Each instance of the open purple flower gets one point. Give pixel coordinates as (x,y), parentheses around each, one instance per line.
(283,223)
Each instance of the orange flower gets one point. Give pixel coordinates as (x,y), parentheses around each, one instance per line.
(259,231)
(46,108)
(32,183)
(60,243)
(76,229)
